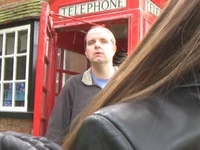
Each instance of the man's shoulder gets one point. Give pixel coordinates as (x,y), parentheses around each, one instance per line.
(71,83)
(74,79)
(79,77)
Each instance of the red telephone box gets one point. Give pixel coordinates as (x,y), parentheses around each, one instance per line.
(63,25)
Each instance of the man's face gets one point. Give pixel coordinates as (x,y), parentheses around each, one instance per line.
(99,48)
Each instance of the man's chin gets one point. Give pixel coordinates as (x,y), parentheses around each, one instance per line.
(98,61)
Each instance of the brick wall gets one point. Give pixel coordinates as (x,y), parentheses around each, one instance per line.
(19,125)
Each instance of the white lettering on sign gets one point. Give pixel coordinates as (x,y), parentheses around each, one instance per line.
(152,8)
(91,7)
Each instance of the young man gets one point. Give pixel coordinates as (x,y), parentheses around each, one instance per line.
(100,47)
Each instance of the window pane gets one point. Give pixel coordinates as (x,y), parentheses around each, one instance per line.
(1,98)
(1,47)
(75,62)
(65,77)
(10,42)
(47,46)
(1,44)
(8,69)
(22,41)
(57,81)
(0,67)
(19,94)
(59,58)
(43,104)
(7,89)
(45,75)
(21,67)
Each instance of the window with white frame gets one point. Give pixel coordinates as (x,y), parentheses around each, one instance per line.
(14,66)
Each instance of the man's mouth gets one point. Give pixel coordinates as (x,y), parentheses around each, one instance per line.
(97,53)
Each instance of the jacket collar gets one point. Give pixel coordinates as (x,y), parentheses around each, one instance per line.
(87,77)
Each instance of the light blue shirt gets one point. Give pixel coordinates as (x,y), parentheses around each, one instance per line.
(100,82)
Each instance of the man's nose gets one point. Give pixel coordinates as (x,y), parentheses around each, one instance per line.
(97,44)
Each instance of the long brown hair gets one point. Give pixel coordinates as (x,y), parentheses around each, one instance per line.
(169,52)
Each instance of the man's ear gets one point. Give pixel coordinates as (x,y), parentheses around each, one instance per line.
(86,53)
(115,48)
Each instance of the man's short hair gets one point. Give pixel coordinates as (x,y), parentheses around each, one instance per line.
(113,40)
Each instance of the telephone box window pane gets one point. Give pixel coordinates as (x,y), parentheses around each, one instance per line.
(43,104)
(45,75)
(7,97)
(59,58)
(1,44)
(8,69)
(22,41)
(57,81)
(21,67)
(66,77)
(75,62)
(19,94)
(10,43)
(47,46)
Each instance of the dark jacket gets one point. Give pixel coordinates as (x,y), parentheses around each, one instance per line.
(170,122)
(74,97)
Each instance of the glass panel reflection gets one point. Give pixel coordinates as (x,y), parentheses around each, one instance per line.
(8,72)
(22,41)
(19,94)
(57,82)
(59,58)
(0,67)
(1,44)
(66,77)
(45,75)
(7,98)
(10,42)
(74,62)
(21,67)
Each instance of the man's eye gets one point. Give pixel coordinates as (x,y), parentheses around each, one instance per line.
(91,42)
(104,41)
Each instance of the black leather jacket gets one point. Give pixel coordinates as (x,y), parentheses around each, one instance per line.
(20,141)
(171,122)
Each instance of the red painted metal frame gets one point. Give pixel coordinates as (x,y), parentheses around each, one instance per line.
(51,76)
(45,81)
(40,69)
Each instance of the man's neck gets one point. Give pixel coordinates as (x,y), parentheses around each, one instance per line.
(103,71)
